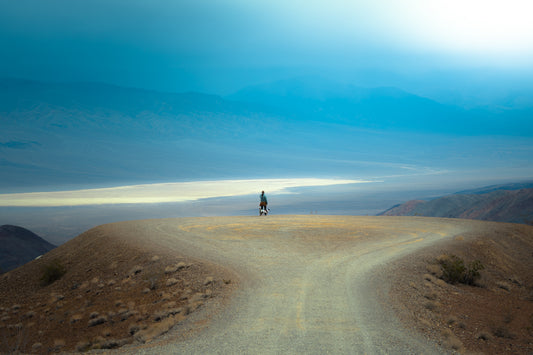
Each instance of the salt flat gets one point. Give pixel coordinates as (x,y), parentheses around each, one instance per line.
(163,193)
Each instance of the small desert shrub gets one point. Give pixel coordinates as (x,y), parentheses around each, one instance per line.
(52,271)
(454,270)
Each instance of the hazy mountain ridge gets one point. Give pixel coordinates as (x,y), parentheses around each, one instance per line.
(487,189)
(88,134)
(63,131)
(19,246)
(382,108)
(494,203)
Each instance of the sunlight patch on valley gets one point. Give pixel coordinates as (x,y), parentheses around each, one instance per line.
(162,193)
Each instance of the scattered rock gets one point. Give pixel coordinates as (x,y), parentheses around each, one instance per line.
(97,321)
(94,315)
(76,318)
(504,285)
(58,344)
(95,280)
(174,268)
(171,282)
(136,270)
(83,346)
(432,306)
(127,314)
(484,335)
(170,305)
(113,343)
(134,329)
(155,330)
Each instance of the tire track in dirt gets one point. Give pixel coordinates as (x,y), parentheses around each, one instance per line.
(307,283)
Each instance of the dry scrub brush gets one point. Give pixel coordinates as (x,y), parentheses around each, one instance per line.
(52,271)
(454,270)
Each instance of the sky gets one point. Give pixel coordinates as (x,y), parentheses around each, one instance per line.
(465,52)
(220,46)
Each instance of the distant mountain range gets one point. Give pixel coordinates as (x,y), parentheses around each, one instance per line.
(61,136)
(19,246)
(502,203)
(382,108)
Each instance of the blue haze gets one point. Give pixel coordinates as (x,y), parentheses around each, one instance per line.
(245,89)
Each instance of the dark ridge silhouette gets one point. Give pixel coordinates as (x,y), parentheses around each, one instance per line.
(19,246)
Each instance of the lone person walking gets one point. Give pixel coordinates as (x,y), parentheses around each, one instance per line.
(263,204)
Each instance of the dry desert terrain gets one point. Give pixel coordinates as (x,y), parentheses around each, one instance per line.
(276,284)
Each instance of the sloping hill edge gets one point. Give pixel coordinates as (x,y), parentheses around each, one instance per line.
(117,290)
(495,316)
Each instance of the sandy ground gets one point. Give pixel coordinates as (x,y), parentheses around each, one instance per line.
(281,284)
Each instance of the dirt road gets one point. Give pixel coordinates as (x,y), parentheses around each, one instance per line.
(308,284)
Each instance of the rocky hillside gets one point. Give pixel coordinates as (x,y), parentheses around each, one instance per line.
(114,290)
(515,206)
(19,245)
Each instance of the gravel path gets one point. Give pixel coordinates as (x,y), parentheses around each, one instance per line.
(308,284)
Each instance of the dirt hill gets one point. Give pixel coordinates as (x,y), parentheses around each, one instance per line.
(115,290)
(131,282)
(19,245)
(500,205)
(493,316)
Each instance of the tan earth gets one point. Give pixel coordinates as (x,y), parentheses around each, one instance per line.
(280,284)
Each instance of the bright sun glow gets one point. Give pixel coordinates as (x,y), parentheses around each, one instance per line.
(487,29)
(486,26)
(494,29)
